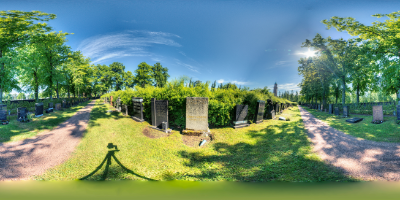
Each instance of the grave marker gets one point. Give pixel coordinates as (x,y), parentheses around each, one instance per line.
(58,106)
(137,109)
(337,111)
(377,113)
(260,111)
(22,113)
(330,109)
(3,115)
(345,111)
(197,113)
(159,112)
(38,109)
(270,109)
(398,112)
(241,112)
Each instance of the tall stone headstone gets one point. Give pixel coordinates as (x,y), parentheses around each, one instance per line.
(197,113)
(377,113)
(330,109)
(260,111)
(64,103)
(38,109)
(337,111)
(50,109)
(119,104)
(270,110)
(3,115)
(277,109)
(137,109)
(159,112)
(58,106)
(240,115)
(398,112)
(21,113)
(346,111)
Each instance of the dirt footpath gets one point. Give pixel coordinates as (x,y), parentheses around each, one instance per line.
(22,159)
(358,158)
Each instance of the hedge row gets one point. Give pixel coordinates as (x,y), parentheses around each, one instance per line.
(221,101)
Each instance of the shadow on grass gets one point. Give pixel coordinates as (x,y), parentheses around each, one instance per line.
(107,160)
(276,156)
(100,112)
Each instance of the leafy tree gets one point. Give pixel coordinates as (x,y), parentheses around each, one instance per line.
(117,74)
(15,29)
(129,80)
(21,96)
(385,33)
(143,75)
(160,75)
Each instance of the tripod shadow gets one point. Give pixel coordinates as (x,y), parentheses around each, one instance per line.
(107,159)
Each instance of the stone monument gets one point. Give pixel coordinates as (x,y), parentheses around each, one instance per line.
(330,109)
(337,111)
(159,114)
(346,111)
(58,106)
(260,111)
(137,109)
(377,114)
(22,113)
(270,110)
(240,116)
(38,109)
(196,115)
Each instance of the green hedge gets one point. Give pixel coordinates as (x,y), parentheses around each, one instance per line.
(221,101)
(365,109)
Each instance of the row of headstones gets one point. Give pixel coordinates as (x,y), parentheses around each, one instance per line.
(22,112)
(197,112)
(377,111)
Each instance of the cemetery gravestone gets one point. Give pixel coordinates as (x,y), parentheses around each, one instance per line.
(336,111)
(159,112)
(377,113)
(50,109)
(197,113)
(330,109)
(345,111)
(119,104)
(398,112)
(3,107)
(277,109)
(137,109)
(260,111)
(21,113)
(270,110)
(3,115)
(64,104)
(354,120)
(241,112)
(38,109)
(58,106)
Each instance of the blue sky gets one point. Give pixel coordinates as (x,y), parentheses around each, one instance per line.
(250,43)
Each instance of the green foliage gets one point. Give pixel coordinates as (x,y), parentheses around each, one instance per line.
(143,75)
(160,75)
(221,101)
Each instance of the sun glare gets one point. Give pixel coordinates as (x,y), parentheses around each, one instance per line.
(309,53)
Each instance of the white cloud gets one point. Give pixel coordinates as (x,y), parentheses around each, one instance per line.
(128,43)
(220,81)
(288,87)
(190,67)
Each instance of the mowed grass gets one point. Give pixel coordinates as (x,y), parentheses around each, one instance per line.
(388,131)
(271,151)
(15,130)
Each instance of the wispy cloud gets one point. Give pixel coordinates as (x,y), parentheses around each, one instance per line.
(190,67)
(234,82)
(128,43)
(287,87)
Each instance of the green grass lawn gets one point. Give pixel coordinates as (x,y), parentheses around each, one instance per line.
(388,131)
(15,130)
(271,151)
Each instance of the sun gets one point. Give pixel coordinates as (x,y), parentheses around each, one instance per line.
(309,53)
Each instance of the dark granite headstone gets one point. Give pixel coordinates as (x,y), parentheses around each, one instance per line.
(277,109)
(3,107)
(345,111)
(337,111)
(398,112)
(3,115)
(38,109)
(241,112)
(330,109)
(197,113)
(50,109)
(270,110)
(58,106)
(64,103)
(354,120)
(377,113)
(159,112)
(260,111)
(137,109)
(21,113)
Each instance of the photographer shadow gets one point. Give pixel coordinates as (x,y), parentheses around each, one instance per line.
(107,160)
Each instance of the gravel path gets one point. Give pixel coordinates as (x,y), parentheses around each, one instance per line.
(358,158)
(22,159)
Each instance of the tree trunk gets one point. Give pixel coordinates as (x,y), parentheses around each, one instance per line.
(68,91)
(343,91)
(36,86)
(358,93)
(58,96)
